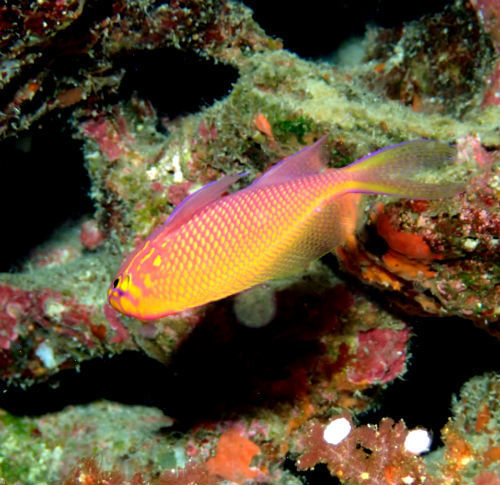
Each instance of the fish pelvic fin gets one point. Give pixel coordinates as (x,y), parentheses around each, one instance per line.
(389,171)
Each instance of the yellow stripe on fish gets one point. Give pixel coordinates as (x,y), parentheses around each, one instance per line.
(213,246)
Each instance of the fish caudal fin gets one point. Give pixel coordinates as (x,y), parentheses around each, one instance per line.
(389,171)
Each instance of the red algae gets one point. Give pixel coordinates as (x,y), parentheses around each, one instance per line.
(487,478)
(408,244)
(380,356)
(47,319)
(376,454)
(113,317)
(89,473)
(193,473)
(233,456)
(106,135)
(90,235)
(176,193)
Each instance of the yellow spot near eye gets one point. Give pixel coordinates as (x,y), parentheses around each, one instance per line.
(157,261)
(147,281)
(125,283)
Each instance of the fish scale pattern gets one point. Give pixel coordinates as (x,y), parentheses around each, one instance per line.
(237,242)
(214,246)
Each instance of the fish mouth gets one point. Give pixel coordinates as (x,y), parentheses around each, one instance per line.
(115,296)
(124,303)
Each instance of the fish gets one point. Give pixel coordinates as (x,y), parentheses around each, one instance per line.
(216,244)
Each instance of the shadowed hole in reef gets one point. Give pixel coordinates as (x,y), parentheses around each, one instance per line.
(445,353)
(128,378)
(184,83)
(44,184)
(317,28)
(223,369)
(218,373)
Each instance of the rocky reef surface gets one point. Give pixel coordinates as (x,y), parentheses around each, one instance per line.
(273,385)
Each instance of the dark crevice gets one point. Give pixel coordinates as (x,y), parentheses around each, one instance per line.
(319,475)
(444,355)
(128,378)
(60,53)
(235,373)
(44,184)
(175,82)
(222,371)
(228,367)
(317,28)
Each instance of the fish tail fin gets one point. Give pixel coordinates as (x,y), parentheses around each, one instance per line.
(389,171)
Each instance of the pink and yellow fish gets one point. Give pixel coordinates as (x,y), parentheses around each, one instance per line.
(213,246)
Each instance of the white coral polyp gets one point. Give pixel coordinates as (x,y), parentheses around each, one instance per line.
(417,441)
(337,431)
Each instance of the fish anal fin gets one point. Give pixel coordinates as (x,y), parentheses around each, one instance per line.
(308,161)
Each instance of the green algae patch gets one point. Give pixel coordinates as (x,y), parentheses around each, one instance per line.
(298,127)
(24,457)
(42,450)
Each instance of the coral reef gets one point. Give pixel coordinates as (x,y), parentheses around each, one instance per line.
(443,255)
(40,39)
(382,454)
(432,65)
(253,384)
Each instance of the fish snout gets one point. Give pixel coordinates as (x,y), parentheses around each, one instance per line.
(114,297)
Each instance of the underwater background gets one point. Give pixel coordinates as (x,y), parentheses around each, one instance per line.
(377,365)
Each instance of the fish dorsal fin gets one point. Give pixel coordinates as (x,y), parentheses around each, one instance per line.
(308,161)
(197,200)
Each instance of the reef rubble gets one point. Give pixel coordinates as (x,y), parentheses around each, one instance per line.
(253,382)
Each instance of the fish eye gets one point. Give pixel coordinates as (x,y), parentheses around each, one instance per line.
(116,283)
